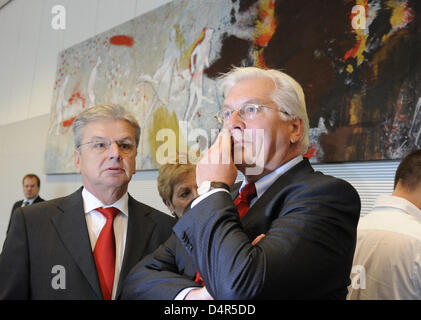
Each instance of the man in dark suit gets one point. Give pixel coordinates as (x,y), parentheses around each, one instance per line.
(83,245)
(31,184)
(289,234)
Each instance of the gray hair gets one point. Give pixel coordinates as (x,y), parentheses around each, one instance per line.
(288,94)
(99,113)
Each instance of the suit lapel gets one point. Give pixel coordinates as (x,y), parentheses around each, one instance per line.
(71,226)
(139,230)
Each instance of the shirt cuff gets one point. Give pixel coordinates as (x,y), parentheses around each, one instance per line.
(183,293)
(207,194)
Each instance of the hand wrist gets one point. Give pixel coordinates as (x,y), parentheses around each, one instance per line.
(207,186)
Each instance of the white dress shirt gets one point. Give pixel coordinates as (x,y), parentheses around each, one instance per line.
(261,186)
(95,221)
(28,201)
(388,252)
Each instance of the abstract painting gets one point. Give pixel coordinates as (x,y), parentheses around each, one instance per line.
(361,80)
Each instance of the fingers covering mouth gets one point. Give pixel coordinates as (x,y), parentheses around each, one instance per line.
(239,137)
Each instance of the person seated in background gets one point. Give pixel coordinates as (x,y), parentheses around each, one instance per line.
(83,245)
(304,221)
(388,252)
(177,186)
(31,184)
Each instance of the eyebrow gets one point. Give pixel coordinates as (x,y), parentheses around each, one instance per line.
(249,101)
(104,138)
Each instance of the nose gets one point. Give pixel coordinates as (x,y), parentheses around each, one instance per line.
(194,193)
(114,151)
(235,122)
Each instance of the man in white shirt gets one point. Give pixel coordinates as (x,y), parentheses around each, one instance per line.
(83,245)
(387,261)
(286,232)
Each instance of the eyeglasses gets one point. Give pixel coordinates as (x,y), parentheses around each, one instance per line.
(247,111)
(99,145)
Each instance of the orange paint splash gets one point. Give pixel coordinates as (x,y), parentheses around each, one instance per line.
(265,28)
(122,40)
(68,122)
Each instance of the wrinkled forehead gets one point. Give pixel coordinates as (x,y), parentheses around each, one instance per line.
(109,129)
(250,91)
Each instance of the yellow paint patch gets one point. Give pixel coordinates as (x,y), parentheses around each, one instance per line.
(185,59)
(398,17)
(162,119)
(356,110)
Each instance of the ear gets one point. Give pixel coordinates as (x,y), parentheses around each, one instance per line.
(296,130)
(77,160)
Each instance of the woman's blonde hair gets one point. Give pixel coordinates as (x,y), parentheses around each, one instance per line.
(170,174)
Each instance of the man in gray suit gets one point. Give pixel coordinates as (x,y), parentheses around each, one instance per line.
(83,245)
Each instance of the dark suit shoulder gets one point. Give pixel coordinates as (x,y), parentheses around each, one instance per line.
(38,199)
(152,213)
(320,183)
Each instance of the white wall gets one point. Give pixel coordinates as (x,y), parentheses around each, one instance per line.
(29,49)
(28,57)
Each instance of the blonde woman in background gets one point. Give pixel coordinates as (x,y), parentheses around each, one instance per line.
(177,185)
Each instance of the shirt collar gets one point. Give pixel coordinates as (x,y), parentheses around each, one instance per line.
(29,201)
(90,202)
(398,203)
(265,182)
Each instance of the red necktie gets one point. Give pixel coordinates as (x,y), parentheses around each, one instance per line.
(242,202)
(104,253)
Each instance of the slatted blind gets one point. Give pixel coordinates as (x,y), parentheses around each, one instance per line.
(370,179)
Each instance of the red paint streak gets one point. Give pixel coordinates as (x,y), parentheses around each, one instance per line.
(122,40)
(68,122)
(76,96)
(264,39)
(351,53)
(310,153)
